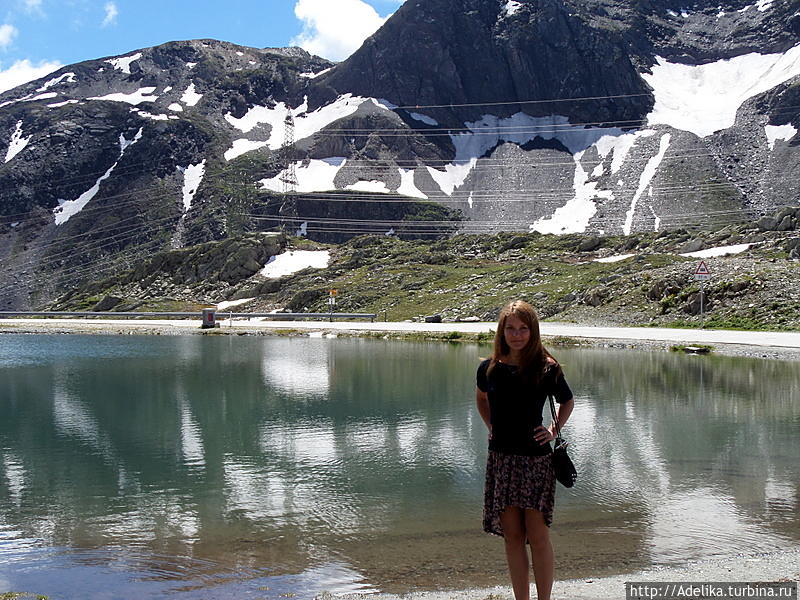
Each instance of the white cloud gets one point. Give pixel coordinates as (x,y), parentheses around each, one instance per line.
(33,6)
(24,71)
(7,35)
(334,29)
(111,14)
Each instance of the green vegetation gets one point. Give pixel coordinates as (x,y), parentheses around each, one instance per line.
(21,596)
(694,348)
(471,277)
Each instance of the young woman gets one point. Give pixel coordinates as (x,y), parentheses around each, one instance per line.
(513,385)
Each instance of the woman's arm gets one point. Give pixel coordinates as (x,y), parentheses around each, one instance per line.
(563,411)
(482,400)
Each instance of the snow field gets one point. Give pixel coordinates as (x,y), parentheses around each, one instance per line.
(124,63)
(190,97)
(69,77)
(17,143)
(316,176)
(192,177)
(306,124)
(779,132)
(718,251)
(293,261)
(644,180)
(135,98)
(66,209)
(703,99)
(574,216)
(232,303)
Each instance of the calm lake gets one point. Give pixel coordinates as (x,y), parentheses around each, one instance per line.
(204,467)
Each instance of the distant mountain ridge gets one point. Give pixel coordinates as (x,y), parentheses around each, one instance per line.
(558,116)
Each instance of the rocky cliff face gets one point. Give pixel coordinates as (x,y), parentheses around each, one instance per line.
(556,116)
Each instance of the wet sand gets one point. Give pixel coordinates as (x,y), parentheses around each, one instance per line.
(780,566)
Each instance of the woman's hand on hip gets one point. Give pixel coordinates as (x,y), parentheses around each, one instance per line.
(542,435)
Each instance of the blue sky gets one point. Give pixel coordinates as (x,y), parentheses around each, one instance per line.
(38,36)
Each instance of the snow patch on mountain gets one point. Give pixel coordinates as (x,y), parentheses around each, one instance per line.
(763,5)
(779,132)
(453,176)
(718,251)
(147,115)
(175,107)
(316,176)
(620,145)
(242,146)
(703,99)
(574,216)
(511,7)
(135,98)
(190,97)
(407,185)
(375,186)
(67,209)
(315,75)
(69,77)
(124,63)
(192,177)
(293,261)
(644,180)
(520,128)
(17,143)
(65,103)
(305,124)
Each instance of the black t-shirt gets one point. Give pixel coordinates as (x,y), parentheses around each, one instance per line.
(516,406)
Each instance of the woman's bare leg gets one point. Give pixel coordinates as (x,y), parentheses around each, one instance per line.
(512,520)
(541,553)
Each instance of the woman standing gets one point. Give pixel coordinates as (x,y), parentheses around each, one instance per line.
(513,385)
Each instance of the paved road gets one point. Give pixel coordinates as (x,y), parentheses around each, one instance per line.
(678,336)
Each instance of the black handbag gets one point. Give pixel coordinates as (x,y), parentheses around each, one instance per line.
(562,463)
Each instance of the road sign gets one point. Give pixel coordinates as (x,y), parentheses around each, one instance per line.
(702,273)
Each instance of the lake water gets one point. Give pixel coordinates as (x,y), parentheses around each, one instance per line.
(248,467)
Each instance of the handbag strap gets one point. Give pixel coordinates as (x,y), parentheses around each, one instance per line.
(555,417)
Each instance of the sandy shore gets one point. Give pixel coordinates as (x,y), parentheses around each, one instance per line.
(781,566)
(765,344)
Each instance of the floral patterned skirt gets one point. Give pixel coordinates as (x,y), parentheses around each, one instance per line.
(514,480)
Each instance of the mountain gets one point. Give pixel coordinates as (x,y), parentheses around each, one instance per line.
(477,116)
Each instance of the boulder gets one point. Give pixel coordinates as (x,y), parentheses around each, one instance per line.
(663,288)
(786,224)
(106,303)
(591,243)
(433,319)
(693,303)
(595,297)
(691,246)
(767,224)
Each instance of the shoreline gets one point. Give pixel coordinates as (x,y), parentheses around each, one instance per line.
(781,566)
(758,344)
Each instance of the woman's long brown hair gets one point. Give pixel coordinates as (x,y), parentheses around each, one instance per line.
(533,359)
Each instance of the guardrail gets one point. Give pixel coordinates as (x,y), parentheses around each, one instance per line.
(192,315)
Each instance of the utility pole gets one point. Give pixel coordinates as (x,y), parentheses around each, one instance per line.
(289,178)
